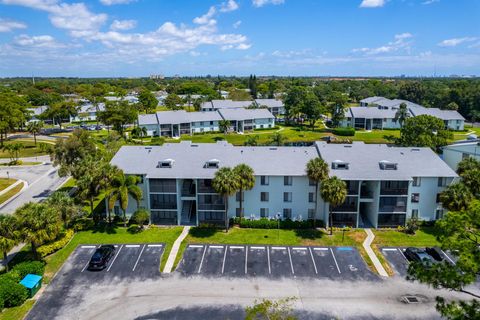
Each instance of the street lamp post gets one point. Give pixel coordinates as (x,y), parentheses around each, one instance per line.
(278,226)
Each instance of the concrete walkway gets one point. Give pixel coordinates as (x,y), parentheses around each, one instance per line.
(176,246)
(367,246)
(10,187)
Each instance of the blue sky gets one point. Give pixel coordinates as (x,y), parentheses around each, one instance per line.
(239,37)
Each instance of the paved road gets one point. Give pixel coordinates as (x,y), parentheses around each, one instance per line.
(42,181)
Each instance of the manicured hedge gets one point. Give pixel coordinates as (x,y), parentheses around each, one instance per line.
(273,224)
(345,132)
(50,248)
(12,294)
(33,267)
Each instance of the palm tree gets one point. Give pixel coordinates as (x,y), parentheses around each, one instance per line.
(278,139)
(35,127)
(108,174)
(8,235)
(65,206)
(402,114)
(224,126)
(246,181)
(89,185)
(13,150)
(456,197)
(334,191)
(37,224)
(317,171)
(252,140)
(225,183)
(124,186)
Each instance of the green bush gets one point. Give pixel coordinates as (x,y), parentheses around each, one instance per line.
(140,217)
(344,132)
(134,228)
(84,223)
(33,267)
(12,293)
(10,276)
(273,224)
(412,226)
(157,141)
(52,247)
(2,303)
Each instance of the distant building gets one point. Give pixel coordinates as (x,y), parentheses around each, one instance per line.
(454,153)
(215,105)
(275,106)
(88,112)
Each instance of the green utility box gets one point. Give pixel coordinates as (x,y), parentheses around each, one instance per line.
(33,283)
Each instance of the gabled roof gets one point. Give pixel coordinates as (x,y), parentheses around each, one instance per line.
(372,99)
(270,103)
(241,114)
(182,116)
(364,161)
(441,114)
(147,119)
(230,104)
(91,108)
(371,113)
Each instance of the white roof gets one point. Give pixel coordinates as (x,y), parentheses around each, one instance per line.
(230,104)
(441,114)
(270,103)
(245,114)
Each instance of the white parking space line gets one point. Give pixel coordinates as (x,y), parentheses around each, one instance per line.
(216,247)
(246,259)
(88,247)
(320,249)
(201,262)
(334,259)
(132,245)
(299,249)
(86,265)
(138,259)
(448,257)
(278,248)
(268,260)
(401,252)
(291,263)
(115,258)
(389,249)
(155,245)
(313,260)
(195,246)
(224,258)
(236,247)
(257,248)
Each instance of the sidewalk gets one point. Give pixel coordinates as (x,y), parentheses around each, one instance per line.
(174,252)
(367,246)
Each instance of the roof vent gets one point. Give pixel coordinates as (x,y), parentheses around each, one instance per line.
(347,146)
(340,165)
(194,145)
(212,164)
(387,165)
(415,149)
(167,163)
(272,148)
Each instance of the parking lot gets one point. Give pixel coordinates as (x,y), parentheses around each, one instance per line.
(399,263)
(338,263)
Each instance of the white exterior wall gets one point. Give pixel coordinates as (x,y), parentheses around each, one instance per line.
(453,154)
(427,205)
(389,123)
(91,116)
(258,123)
(151,129)
(456,124)
(205,126)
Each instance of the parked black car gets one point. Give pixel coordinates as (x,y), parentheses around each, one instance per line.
(418,255)
(101,257)
(435,253)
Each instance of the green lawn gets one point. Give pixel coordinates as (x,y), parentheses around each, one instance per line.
(4,183)
(17,312)
(10,193)
(425,237)
(112,235)
(375,136)
(29,150)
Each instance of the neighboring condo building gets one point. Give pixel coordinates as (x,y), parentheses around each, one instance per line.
(386,185)
(275,106)
(379,113)
(176,123)
(454,153)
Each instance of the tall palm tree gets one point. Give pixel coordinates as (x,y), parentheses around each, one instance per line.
(456,197)
(224,126)
(278,139)
(8,235)
(108,175)
(65,207)
(124,186)
(246,181)
(225,183)
(35,127)
(317,171)
(37,224)
(402,114)
(334,191)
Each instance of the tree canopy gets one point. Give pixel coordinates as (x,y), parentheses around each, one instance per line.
(424,131)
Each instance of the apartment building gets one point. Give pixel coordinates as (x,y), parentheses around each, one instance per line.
(176,123)
(456,152)
(275,106)
(386,185)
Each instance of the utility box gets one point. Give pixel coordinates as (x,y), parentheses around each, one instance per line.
(33,283)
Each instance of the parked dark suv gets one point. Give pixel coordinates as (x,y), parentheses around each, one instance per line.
(418,255)
(100,258)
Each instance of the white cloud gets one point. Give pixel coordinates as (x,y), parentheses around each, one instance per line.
(10,25)
(113,2)
(123,24)
(261,3)
(42,41)
(228,6)
(372,3)
(456,41)
(427,2)
(400,42)
(237,24)
(207,17)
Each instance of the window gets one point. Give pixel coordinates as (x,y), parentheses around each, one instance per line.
(417,181)
(438,198)
(238,212)
(311,182)
(163,201)
(415,213)
(211,123)
(415,197)
(311,213)
(287,213)
(287,197)
(264,196)
(439,214)
(163,185)
(442,182)
(287,181)
(264,180)
(263,212)
(311,197)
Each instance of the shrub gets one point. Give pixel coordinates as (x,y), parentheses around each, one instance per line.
(10,276)
(157,141)
(134,228)
(2,304)
(140,217)
(273,224)
(345,132)
(33,267)
(83,223)
(12,293)
(52,247)
(204,225)
(412,226)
